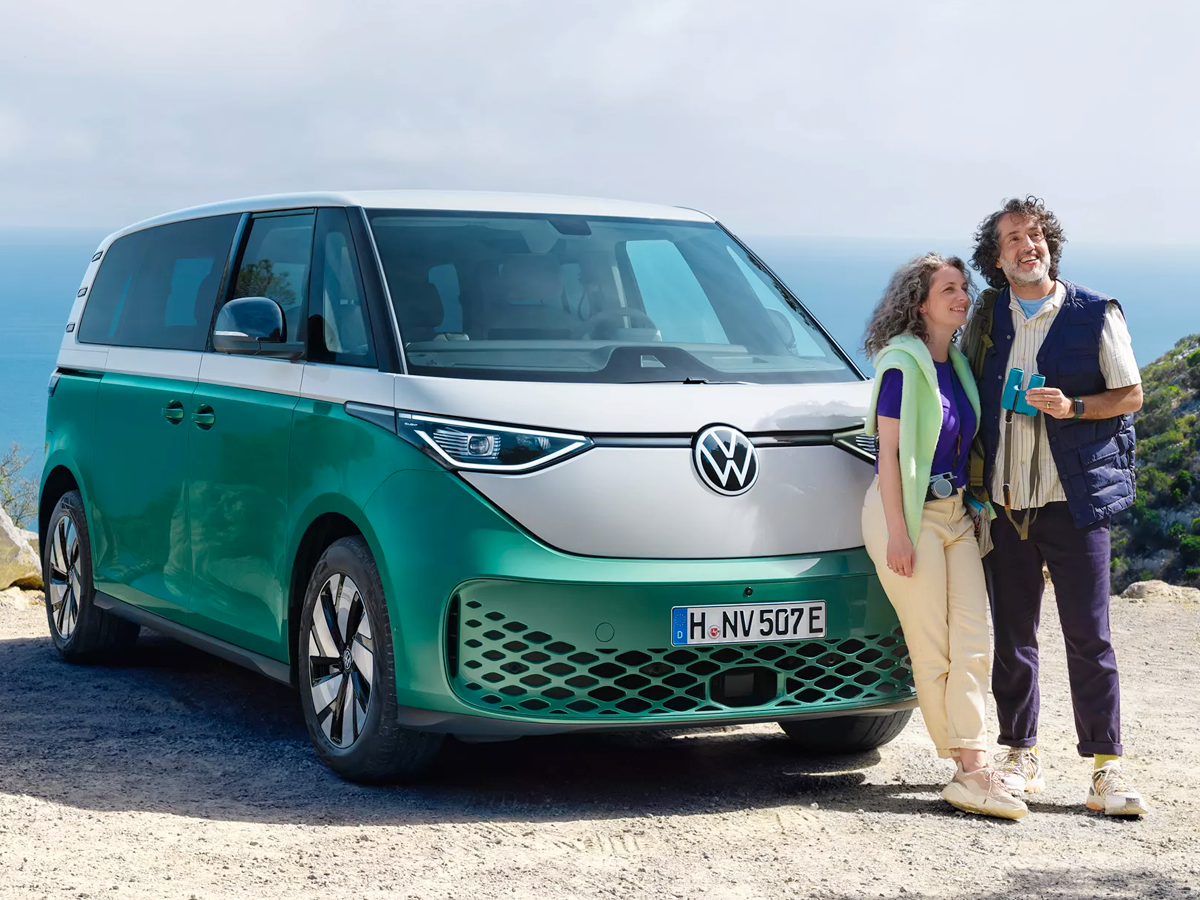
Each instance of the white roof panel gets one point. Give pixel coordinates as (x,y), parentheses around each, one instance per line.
(480,201)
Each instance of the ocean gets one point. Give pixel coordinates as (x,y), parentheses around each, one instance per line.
(838,279)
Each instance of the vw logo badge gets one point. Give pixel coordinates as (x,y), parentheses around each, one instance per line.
(725,460)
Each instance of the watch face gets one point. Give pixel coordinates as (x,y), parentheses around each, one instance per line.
(1078,407)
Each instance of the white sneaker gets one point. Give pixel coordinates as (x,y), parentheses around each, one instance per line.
(983,792)
(1111,793)
(1021,769)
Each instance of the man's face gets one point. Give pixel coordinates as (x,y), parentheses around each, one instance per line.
(1024,255)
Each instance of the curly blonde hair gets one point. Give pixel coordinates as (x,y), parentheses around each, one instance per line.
(898,311)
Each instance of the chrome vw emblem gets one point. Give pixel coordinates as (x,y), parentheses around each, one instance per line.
(725,460)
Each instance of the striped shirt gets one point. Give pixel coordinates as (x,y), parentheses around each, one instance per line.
(1117,365)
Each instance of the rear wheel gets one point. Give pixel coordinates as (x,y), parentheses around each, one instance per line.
(846,734)
(347,672)
(80,630)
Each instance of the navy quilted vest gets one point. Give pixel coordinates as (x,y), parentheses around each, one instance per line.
(1095,457)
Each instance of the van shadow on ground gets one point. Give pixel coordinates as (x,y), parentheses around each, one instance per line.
(175,730)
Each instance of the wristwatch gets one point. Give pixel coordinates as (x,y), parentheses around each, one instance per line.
(1078,407)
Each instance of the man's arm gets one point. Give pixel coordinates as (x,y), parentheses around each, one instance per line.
(1112,403)
(1120,371)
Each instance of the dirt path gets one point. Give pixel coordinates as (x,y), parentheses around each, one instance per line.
(178,775)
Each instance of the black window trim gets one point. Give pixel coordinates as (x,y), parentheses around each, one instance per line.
(389,345)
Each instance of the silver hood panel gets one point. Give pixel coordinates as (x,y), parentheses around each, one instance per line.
(649,503)
(595,409)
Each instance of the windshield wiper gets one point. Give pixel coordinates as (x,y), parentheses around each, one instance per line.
(688,380)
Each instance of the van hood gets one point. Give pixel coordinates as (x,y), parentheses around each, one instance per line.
(658,409)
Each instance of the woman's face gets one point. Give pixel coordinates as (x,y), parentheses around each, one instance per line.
(946,305)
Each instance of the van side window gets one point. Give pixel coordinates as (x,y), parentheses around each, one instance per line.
(274,264)
(339,327)
(157,287)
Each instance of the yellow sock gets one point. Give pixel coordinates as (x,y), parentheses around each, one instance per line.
(1102,758)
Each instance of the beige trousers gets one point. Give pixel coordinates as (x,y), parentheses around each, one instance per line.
(943,611)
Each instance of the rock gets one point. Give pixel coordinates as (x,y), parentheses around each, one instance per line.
(17,597)
(1160,590)
(19,564)
(32,538)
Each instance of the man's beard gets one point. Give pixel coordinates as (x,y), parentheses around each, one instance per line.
(1037,275)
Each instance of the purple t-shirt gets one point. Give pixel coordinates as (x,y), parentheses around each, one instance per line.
(958,418)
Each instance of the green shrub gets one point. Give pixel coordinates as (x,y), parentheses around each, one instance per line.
(1189,549)
(1193,359)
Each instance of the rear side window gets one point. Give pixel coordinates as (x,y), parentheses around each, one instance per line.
(157,287)
(275,263)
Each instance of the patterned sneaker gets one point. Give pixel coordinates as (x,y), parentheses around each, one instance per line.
(983,792)
(1021,769)
(1112,794)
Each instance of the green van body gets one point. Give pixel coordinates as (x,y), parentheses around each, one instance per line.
(208,505)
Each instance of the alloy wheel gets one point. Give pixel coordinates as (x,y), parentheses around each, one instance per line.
(65,585)
(341,660)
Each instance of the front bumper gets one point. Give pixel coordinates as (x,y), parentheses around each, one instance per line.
(497,634)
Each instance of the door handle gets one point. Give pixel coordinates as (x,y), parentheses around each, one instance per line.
(204,416)
(173,412)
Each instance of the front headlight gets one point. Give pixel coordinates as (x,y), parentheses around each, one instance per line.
(859,443)
(460,444)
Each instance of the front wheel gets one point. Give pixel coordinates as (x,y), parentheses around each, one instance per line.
(347,672)
(846,734)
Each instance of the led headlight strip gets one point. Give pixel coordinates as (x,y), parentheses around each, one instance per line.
(479,446)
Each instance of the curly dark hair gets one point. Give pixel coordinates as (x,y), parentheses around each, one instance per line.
(898,311)
(987,237)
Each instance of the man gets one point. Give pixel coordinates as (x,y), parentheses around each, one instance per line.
(1055,474)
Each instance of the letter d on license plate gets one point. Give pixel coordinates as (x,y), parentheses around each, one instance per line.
(747,623)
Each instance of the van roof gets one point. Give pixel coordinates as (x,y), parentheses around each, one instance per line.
(465,201)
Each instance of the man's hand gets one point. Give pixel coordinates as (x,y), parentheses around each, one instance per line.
(1113,402)
(1051,401)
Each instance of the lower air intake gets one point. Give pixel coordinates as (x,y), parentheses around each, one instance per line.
(505,664)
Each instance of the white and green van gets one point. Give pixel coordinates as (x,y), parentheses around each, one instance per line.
(483,465)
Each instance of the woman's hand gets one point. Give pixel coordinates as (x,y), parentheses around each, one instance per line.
(901,558)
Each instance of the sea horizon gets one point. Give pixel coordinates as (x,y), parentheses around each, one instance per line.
(839,279)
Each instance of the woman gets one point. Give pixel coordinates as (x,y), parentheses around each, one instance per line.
(925,412)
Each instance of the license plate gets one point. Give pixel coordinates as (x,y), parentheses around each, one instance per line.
(747,623)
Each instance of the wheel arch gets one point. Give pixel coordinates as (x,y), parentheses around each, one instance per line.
(324,525)
(58,480)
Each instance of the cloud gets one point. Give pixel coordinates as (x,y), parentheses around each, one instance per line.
(864,118)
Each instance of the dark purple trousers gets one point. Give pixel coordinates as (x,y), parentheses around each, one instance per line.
(1078,560)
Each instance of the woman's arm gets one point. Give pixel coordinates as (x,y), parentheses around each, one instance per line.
(901,558)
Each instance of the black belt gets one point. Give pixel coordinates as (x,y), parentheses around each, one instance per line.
(941,487)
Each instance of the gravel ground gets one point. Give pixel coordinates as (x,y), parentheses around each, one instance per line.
(178,775)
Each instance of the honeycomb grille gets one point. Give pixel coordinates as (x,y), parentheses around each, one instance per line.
(501,663)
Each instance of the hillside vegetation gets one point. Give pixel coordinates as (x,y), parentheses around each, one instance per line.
(1159,537)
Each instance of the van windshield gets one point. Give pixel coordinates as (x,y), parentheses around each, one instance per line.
(571,298)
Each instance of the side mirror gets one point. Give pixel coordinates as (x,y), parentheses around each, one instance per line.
(254,326)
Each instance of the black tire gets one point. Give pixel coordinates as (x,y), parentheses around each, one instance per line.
(846,734)
(370,746)
(80,630)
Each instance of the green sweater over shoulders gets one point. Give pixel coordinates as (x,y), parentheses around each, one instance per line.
(920,415)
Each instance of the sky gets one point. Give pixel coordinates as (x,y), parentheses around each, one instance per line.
(784,117)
